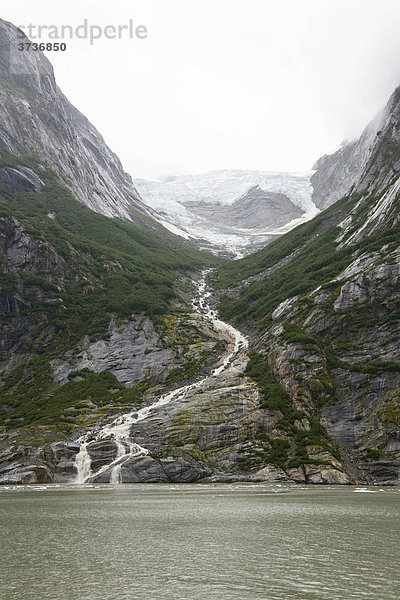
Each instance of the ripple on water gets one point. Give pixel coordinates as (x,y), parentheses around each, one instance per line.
(225,542)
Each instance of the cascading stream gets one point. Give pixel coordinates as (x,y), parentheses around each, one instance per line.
(119,429)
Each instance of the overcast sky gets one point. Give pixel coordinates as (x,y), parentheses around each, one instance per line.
(217,84)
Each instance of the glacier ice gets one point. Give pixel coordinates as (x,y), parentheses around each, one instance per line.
(223,187)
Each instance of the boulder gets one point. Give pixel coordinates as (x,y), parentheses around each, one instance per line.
(322,474)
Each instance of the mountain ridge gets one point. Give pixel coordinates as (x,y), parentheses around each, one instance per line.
(101,316)
(336,173)
(322,307)
(36,118)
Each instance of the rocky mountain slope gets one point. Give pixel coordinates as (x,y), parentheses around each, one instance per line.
(92,315)
(101,317)
(336,173)
(322,308)
(256,209)
(36,118)
(96,312)
(95,323)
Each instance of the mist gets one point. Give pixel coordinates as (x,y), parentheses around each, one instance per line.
(260,85)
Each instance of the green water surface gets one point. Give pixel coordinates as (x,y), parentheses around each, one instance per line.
(199,542)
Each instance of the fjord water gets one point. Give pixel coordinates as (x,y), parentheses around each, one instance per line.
(200,542)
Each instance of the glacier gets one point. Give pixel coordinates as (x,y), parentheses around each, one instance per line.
(171,196)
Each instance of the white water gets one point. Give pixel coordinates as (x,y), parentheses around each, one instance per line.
(119,429)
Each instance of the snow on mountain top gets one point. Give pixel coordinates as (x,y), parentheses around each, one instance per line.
(224,187)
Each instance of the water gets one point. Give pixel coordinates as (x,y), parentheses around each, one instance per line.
(199,542)
(119,429)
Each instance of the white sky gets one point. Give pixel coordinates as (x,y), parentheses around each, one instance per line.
(221,84)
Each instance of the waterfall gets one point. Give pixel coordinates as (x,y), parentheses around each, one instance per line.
(119,429)
(83,464)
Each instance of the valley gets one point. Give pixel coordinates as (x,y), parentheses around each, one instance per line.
(134,349)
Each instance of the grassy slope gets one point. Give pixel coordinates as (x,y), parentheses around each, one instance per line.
(316,258)
(142,281)
(108,266)
(318,261)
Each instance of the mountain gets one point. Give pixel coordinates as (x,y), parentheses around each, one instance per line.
(256,209)
(230,212)
(99,320)
(336,173)
(113,363)
(321,305)
(36,118)
(95,311)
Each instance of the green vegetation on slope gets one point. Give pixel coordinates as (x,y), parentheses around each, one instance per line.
(232,273)
(320,344)
(288,447)
(274,397)
(35,399)
(111,265)
(316,259)
(319,262)
(100,266)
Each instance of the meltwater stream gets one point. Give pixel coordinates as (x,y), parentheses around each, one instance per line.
(119,429)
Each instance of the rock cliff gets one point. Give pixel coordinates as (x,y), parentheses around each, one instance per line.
(256,209)
(97,319)
(36,118)
(324,314)
(336,173)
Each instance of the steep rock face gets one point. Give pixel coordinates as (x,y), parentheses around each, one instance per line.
(353,373)
(22,179)
(135,351)
(336,173)
(214,433)
(132,349)
(21,252)
(347,370)
(332,340)
(383,166)
(36,118)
